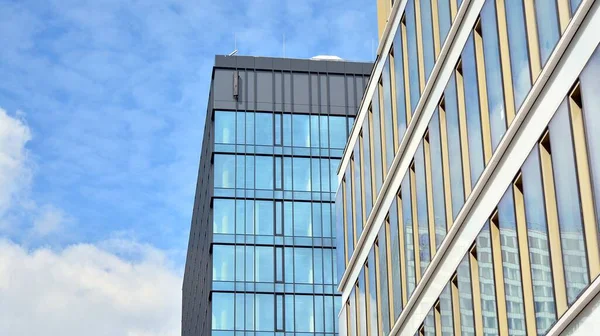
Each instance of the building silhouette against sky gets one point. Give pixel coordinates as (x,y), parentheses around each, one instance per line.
(261,254)
(469,191)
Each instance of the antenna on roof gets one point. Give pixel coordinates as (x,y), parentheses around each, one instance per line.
(232,53)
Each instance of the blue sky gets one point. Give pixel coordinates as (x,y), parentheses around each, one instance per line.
(102,105)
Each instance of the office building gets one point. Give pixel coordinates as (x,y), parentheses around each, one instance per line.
(261,254)
(469,192)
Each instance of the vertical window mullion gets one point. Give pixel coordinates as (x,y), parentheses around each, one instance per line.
(553,227)
(402,246)
(389,272)
(483,95)
(498,273)
(453,9)
(420,50)
(476,290)
(372,158)
(393,98)
(456,305)
(362,179)
(532,39)
(584,179)
(346,248)
(507,80)
(462,122)
(406,70)
(429,193)
(353,201)
(436,29)
(378,287)
(438,318)
(523,244)
(445,163)
(564,14)
(383,130)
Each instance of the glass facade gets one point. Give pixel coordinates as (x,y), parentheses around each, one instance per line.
(538,249)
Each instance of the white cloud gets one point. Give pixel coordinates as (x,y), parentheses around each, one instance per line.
(49,220)
(87,290)
(15,173)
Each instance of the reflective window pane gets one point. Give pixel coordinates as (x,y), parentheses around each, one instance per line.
(395,255)
(408,234)
(486,282)
(223,262)
(427,37)
(224,169)
(222,311)
(388,122)
(519,54)
(264,129)
(413,67)
(383,281)
(372,295)
(548,29)
(223,218)
(467,324)
(224,127)
(265,268)
(305,317)
(337,132)
(367,165)
(439,202)
(377,149)
(264,217)
(303,263)
(301,130)
(454,153)
(399,77)
(358,190)
(444,19)
(567,199)
(493,72)
(422,220)
(539,251)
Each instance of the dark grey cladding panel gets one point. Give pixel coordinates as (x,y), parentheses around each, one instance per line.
(299,65)
(245,62)
(223,85)
(335,67)
(225,61)
(281,63)
(317,66)
(353,68)
(265,63)
(367,68)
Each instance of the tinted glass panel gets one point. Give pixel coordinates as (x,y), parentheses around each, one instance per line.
(548,29)
(456,177)
(224,127)
(413,67)
(519,55)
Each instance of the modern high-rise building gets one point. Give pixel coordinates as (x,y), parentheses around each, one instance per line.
(469,195)
(261,254)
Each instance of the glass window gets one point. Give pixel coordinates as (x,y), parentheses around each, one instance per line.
(240,130)
(330,314)
(318,265)
(427,37)
(264,129)
(328,265)
(279,312)
(395,255)
(439,203)
(493,72)
(250,172)
(325,173)
(567,199)
(240,214)
(240,171)
(305,317)
(473,114)
(408,234)
(574,6)
(223,218)
(446,312)
(357,190)
(222,311)
(348,215)
(388,121)
(240,265)
(264,217)
(519,55)
(456,177)
(339,224)
(466,298)
(372,295)
(314,131)
(249,217)
(422,219)
(223,262)
(264,172)
(590,86)
(301,174)
(324,131)
(249,311)
(289,313)
(413,67)
(547,24)
(250,128)
(239,311)
(279,264)
(383,280)
(362,304)
(332,177)
(265,315)
(287,130)
(399,77)
(377,149)
(319,314)
(351,311)
(510,262)
(250,263)
(316,220)
(301,133)
(278,129)
(224,168)
(539,251)
(444,19)
(486,281)
(337,132)
(303,262)
(366,147)
(224,127)
(265,268)
(302,219)
(316,175)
